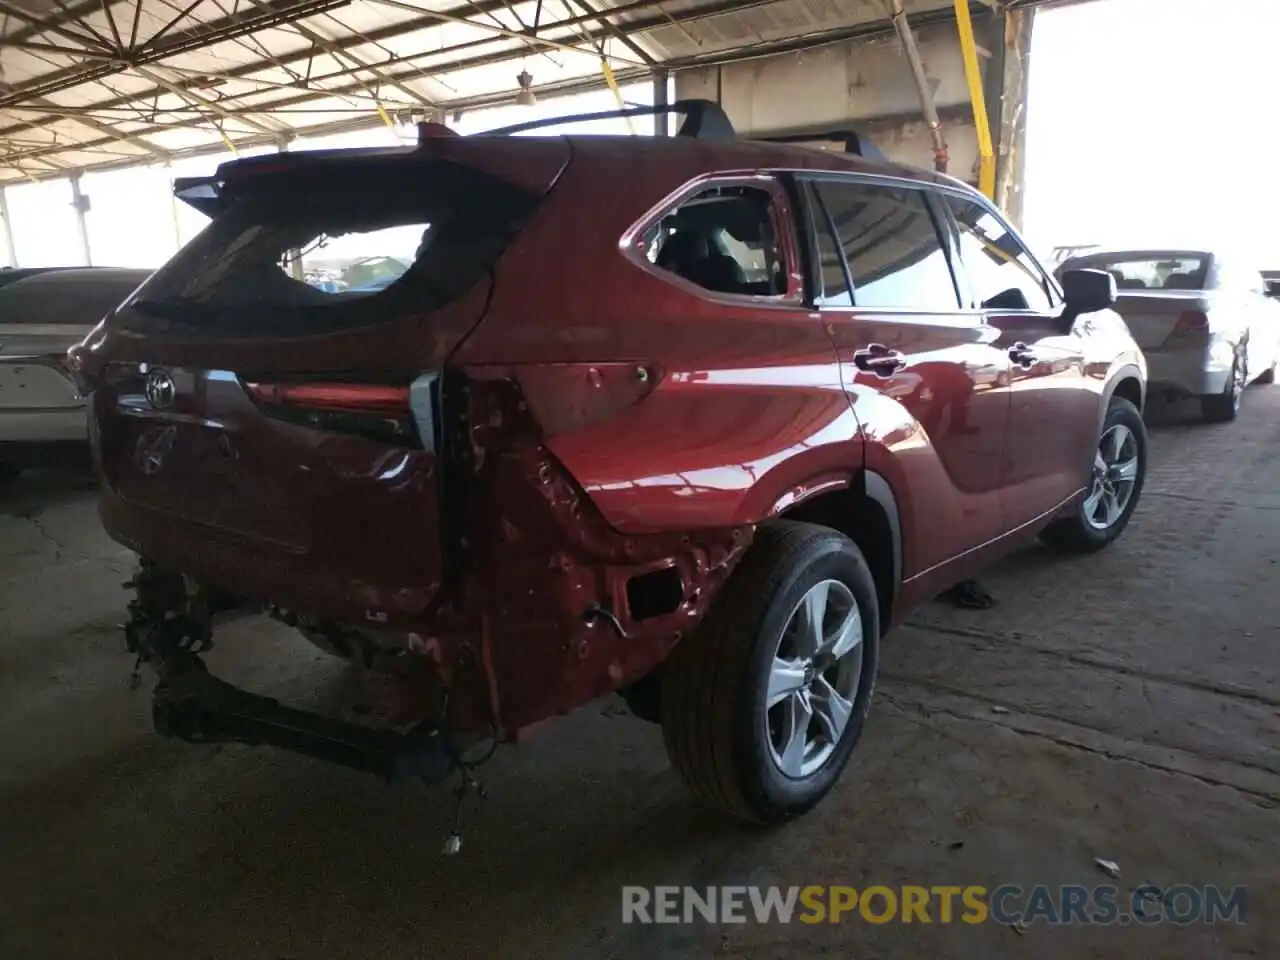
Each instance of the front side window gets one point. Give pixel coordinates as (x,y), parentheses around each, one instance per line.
(891,244)
(722,239)
(1002,273)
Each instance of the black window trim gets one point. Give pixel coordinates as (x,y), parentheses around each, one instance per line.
(815,209)
(1052,290)
(946,240)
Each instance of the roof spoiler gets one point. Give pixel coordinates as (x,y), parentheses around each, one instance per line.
(206,193)
(202,193)
(703,120)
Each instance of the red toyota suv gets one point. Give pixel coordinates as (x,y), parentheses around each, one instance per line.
(513,422)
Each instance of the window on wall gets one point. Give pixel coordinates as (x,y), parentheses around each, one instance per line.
(46,230)
(723,240)
(137,204)
(1002,274)
(891,243)
(6,253)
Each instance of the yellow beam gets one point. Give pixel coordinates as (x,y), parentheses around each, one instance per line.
(973,74)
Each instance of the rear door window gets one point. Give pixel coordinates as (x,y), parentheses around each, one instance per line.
(335,246)
(723,240)
(894,251)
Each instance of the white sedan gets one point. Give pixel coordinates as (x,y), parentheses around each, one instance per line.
(42,314)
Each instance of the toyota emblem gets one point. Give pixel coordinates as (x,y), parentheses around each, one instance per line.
(160,389)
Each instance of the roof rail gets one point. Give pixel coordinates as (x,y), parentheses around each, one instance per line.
(703,119)
(854,142)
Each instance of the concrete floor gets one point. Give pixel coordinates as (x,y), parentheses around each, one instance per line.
(1123,706)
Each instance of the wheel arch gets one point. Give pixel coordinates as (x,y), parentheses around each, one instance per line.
(1126,381)
(865,509)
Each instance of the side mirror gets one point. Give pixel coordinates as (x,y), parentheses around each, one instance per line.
(1088,290)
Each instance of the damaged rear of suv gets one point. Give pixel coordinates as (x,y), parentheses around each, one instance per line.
(510,423)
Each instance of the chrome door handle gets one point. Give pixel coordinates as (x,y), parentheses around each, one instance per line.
(878,359)
(1022,355)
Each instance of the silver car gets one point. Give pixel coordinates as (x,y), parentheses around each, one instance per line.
(1202,318)
(42,314)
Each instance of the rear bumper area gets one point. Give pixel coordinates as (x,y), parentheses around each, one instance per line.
(265,574)
(543,606)
(1197,371)
(60,425)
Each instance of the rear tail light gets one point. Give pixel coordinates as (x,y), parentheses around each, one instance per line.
(1191,321)
(375,411)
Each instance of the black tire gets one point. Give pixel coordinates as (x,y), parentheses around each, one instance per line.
(714,687)
(644,697)
(1075,533)
(1224,407)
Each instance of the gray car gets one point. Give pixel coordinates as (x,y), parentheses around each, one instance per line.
(1202,318)
(42,314)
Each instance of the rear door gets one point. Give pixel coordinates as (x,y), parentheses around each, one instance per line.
(1053,420)
(926,381)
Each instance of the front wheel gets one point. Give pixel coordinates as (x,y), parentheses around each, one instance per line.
(1115,484)
(762,705)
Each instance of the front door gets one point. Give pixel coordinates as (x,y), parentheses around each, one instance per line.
(927,381)
(1053,417)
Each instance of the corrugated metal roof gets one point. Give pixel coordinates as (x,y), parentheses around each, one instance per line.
(94,83)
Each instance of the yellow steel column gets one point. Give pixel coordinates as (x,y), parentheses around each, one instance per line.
(973,74)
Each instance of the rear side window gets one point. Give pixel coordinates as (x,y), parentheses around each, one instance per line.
(891,244)
(1002,273)
(723,240)
(335,247)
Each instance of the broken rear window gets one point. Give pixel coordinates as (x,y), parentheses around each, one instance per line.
(332,247)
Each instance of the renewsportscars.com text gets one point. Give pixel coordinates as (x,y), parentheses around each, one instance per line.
(1006,904)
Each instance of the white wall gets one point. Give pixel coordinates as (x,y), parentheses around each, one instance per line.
(857,83)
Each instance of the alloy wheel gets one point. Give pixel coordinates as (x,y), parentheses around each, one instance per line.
(1115,473)
(814,679)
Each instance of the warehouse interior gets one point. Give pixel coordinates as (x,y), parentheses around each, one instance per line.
(1110,719)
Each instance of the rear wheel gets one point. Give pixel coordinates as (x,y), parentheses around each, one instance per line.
(1225,406)
(1119,469)
(762,706)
